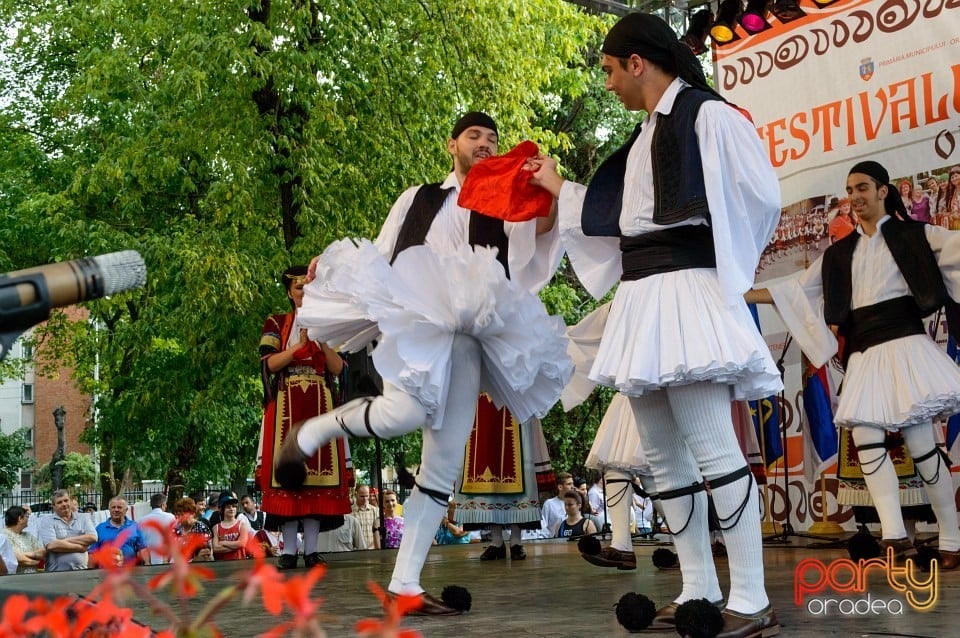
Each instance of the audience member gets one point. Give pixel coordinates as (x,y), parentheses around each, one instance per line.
(574,524)
(65,535)
(151,536)
(392,522)
(212,508)
(450,533)
(27,549)
(553,508)
(8,557)
(369,516)
(252,512)
(230,534)
(346,538)
(189,523)
(119,527)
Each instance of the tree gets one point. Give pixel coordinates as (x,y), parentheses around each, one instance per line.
(78,469)
(224,141)
(12,458)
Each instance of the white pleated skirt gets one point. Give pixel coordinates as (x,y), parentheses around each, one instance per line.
(417,305)
(904,382)
(617,443)
(674,329)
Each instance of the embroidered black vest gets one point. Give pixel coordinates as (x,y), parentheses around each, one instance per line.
(483,230)
(914,258)
(679,191)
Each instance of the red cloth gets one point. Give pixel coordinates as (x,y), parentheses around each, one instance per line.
(499,187)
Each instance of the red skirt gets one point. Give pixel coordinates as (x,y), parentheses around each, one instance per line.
(326,492)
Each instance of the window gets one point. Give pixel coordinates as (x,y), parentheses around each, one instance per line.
(27,396)
(28,351)
(28,436)
(26,480)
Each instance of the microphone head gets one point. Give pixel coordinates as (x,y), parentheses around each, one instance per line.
(124,270)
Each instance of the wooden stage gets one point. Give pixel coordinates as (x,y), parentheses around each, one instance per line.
(552,594)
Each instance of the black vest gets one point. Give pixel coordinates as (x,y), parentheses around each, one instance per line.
(679,191)
(483,231)
(914,258)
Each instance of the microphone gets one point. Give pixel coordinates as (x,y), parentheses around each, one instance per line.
(27,296)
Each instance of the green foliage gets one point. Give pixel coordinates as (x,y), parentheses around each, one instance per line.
(78,469)
(226,140)
(12,458)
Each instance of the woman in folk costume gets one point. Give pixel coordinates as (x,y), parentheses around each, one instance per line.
(295,372)
(506,476)
(450,295)
(875,286)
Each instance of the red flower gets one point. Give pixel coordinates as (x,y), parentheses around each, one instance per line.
(296,594)
(395,608)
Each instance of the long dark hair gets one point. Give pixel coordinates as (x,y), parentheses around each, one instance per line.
(290,275)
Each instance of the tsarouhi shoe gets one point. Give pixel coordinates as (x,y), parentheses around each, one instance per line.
(290,465)
(762,624)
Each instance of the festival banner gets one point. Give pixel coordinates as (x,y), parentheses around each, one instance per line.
(846,81)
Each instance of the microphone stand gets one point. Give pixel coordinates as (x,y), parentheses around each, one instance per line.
(787,530)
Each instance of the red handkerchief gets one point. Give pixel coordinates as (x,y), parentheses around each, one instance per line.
(499,187)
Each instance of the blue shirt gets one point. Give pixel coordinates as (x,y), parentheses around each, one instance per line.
(107,533)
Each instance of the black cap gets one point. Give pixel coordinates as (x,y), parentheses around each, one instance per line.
(473,118)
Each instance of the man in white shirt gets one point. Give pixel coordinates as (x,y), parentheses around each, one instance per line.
(160,516)
(553,509)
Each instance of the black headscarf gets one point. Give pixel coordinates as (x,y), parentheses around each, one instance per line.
(652,39)
(893,203)
(473,118)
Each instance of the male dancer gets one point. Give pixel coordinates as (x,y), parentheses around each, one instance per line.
(680,215)
(456,318)
(876,285)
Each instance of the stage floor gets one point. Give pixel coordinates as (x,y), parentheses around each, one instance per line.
(553,593)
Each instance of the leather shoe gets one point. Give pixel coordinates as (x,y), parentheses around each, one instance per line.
(289,467)
(314,559)
(286,561)
(493,552)
(949,560)
(902,549)
(517,552)
(433,607)
(665,619)
(611,557)
(762,624)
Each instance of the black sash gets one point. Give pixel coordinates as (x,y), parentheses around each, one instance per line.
(882,322)
(667,250)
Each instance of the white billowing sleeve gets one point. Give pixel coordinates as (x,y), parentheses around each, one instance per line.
(532,258)
(582,346)
(742,191)
(799,302)
(596,260)
(946,248)
(8,554)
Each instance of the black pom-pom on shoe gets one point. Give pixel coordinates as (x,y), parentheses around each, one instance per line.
(699,619)
(289,467)
(457,597)
(589,545)
(863,545)
(635,612)
(663,558)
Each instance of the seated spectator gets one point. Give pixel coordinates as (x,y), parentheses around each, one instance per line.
(66,535)
(346,538)
(574,524)
(153,537)
(450,533)
(252,512)
(552,512)
(230,534)
(118,526)
(189,523)
(27,549)
(392,522)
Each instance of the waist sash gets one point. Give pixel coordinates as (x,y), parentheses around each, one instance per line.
(881,322)
(666,250)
